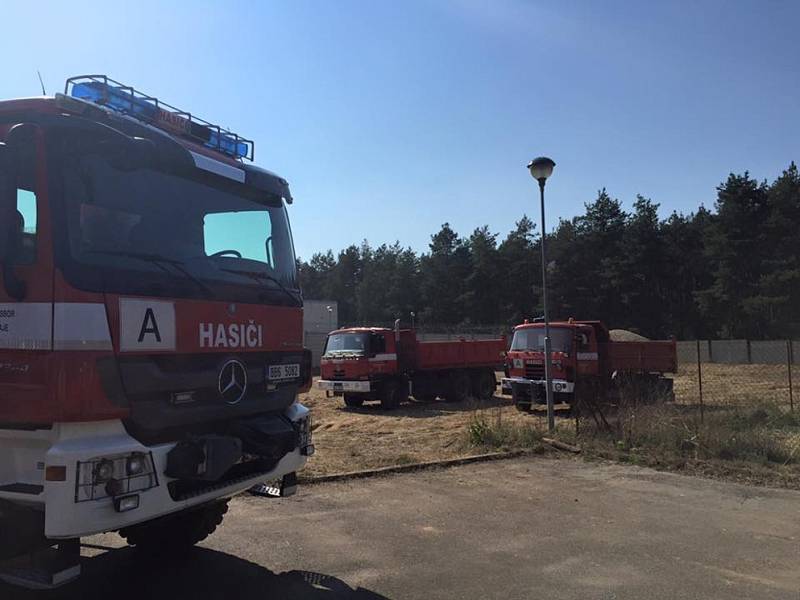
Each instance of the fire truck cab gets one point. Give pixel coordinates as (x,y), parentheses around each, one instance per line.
(150,327)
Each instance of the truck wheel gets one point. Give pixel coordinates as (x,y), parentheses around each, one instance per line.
(390,398)
(458,387)
(176,532)
(353,401)
(484,385)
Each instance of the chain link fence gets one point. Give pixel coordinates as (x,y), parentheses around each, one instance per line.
(737,372)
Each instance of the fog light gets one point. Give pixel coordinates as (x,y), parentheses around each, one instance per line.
(126,503)
(558,387)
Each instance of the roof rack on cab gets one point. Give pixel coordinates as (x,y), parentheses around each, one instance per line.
(102,90)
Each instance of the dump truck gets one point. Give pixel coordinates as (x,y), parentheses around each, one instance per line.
(151,341)
(389,365)
(585,363)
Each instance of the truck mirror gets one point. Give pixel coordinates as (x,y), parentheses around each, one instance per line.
(7,198)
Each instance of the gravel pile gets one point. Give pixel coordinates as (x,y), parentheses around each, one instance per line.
(623,335)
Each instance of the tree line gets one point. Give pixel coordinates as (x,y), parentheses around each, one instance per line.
(730,272)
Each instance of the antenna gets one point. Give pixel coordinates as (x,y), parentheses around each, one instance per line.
(44,93)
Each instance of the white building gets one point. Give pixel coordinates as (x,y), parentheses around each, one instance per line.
(319,318)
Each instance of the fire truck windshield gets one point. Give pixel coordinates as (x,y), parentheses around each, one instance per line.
(199,236)
(347,343)
(532,338)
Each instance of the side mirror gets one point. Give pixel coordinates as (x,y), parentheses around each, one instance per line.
(7,199)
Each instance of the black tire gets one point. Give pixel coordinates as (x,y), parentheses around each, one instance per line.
(176,532)
(353,401)
(459,387)
(390,396)
(484,385)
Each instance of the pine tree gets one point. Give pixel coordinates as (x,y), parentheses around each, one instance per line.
(518,266)
(736,246)
(443,273)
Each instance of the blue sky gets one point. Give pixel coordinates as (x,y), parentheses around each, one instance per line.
(390,118)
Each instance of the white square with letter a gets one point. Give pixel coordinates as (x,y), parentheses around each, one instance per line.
(146,325)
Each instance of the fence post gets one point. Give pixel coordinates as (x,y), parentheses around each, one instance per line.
(710,353)
(789,360)
(749,353)
(700,379)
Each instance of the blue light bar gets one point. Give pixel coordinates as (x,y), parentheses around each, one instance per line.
(102,90)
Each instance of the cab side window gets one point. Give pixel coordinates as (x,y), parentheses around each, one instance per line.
(583,341)
(23,248)
(377,344)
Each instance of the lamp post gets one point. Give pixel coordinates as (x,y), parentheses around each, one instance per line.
(541,168)
(330,317)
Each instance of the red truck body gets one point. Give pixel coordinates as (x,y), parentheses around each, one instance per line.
(585,360)
(369,363)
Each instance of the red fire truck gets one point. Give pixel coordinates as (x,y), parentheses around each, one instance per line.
(150,327)
(584,360)
(372,363)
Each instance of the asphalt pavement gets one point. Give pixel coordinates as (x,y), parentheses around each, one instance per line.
(521,528)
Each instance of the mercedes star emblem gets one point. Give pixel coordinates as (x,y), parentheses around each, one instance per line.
(232,381)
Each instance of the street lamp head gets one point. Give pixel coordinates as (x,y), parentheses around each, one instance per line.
(541,168)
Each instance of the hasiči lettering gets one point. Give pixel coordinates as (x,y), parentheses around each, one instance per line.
(234,335)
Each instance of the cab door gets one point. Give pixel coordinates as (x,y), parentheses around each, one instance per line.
(26,277)
(587,352)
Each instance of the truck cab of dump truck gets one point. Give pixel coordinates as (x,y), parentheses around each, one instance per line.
(574,353)
(368,363)
(150,326)
(358,363)
(587,364)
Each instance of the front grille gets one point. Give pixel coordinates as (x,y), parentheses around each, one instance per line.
(534,371)
(338,374)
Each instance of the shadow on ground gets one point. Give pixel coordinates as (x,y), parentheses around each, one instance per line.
(201,573)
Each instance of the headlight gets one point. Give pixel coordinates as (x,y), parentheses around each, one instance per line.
(111,476)
(103,471)
(135,464)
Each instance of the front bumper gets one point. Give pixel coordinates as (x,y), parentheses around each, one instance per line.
(559,385)
(344,386)
(74,443)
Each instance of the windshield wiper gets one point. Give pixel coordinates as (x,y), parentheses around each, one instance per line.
(258,276)
(159,261)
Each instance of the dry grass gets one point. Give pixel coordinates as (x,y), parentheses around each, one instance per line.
(349,439)
(733,442)
(742,385)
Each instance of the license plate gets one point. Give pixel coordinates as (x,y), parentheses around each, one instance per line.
(280,372)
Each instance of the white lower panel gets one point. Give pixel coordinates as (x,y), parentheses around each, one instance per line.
(70,443)
(344,386)
(559,385)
